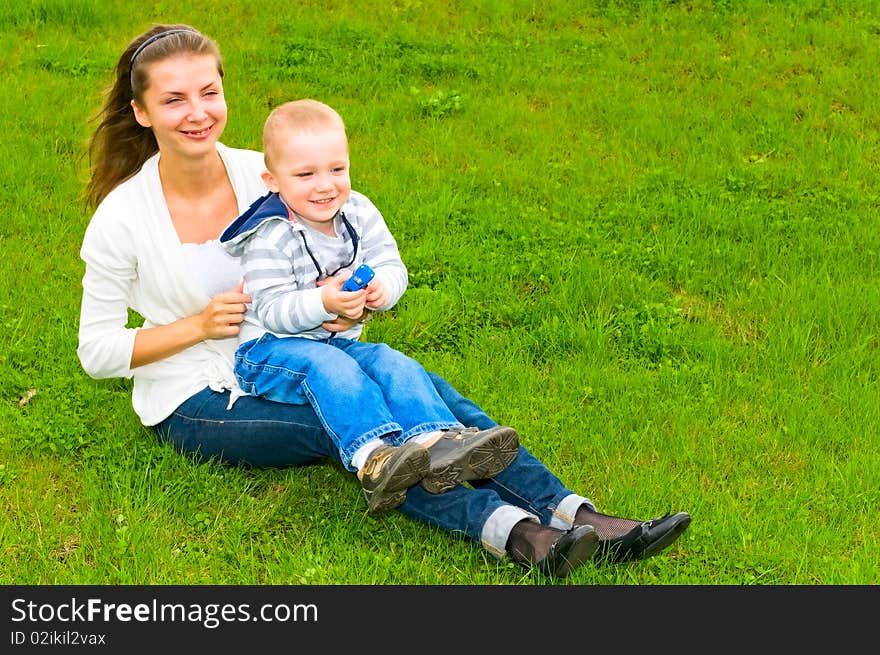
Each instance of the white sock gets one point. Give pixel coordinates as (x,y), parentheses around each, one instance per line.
(360,455)
(427,437)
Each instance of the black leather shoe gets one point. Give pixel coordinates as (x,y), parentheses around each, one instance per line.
(646,539)
(571,550)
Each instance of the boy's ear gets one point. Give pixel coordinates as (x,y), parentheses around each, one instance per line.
(269,181)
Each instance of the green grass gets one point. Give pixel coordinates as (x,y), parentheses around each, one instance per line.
(645,234)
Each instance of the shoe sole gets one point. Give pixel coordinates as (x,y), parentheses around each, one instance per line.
(668,537)
(486,458)
(579,551)
(406,470)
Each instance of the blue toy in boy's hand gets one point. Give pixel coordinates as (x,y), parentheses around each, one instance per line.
(359,279)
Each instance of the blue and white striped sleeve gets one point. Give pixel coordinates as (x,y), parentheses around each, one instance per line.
(381,252)
(272,278)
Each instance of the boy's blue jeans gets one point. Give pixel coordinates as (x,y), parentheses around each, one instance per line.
(359,390)
(262,433)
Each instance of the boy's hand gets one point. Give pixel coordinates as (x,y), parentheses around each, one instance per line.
(377,294)
(345,304)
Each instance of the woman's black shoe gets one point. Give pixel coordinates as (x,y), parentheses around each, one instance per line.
(572,549)
(646,539)
(562,550)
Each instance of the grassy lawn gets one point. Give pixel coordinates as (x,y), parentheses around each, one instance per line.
(645,234)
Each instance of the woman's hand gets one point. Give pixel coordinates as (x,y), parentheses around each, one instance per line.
(339,324)
(222,316)
(342,323)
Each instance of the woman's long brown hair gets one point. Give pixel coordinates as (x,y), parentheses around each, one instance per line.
(120,145)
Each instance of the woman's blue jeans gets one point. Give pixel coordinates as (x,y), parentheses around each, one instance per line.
(263,433)
(360,391)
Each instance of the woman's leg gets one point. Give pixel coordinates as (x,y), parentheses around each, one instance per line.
(526,483)
(487,512)
(478,514)
(264,433)
(256,431)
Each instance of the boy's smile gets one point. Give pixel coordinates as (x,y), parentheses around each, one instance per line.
(311,172)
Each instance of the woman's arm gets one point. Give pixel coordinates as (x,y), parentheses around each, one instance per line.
(107,346)
(380,252)
(220,319)
(105,341)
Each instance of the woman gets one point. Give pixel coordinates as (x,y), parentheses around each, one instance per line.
(164,188)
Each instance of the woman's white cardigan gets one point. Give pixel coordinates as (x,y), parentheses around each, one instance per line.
(134,260)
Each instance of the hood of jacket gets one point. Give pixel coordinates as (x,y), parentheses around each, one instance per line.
(269,206)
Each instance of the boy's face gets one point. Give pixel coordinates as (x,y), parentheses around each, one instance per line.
(311,172)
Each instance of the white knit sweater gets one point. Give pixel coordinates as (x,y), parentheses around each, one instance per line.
(134,260)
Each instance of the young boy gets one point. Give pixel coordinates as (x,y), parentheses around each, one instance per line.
(300,338)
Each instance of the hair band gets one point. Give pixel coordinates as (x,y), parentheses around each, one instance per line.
(153,39)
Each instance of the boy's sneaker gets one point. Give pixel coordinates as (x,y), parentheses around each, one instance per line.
(469,454)
(389,471)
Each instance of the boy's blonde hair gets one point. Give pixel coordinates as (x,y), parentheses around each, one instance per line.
(296,116)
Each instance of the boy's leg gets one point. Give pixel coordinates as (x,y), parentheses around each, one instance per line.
(457,454)
(407,390)
(349,405)
(297,371)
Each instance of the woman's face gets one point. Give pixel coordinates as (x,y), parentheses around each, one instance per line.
(184,104)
